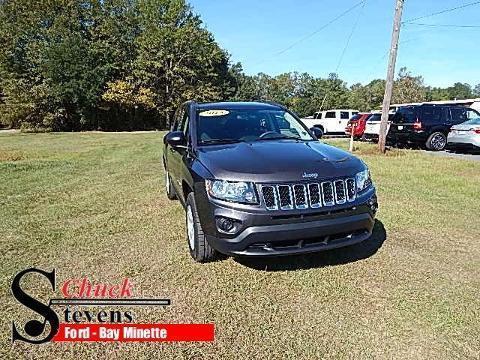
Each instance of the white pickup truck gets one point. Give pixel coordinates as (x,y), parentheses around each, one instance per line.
(330,121)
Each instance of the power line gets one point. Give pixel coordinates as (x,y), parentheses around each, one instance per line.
(362,2)
(354,27)
(442,12)
(444,25)
(340,60)
(322,27)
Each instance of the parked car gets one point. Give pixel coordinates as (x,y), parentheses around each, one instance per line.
(358,123)
(427,124)
(372,126)
(330,121)
(255,181)
(465,136)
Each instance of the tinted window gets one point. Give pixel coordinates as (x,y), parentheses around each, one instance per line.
(459,115)
(434,114)
(330,115)
(185,123)
(405,115)
(247,125)
(355,117)
(318,115)
(177,124)
(344,115)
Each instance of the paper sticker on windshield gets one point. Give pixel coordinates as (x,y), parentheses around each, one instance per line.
(214,113)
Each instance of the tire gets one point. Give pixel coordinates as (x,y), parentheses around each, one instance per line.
(200,249)
(436,141)
(169,187)
(320,127)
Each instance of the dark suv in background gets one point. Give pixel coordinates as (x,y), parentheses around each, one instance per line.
(427,125)
(255,181)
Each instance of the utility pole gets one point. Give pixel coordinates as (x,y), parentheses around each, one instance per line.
(397,22)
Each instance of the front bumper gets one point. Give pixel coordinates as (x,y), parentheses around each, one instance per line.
(266,233)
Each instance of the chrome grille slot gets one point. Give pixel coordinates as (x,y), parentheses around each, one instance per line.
(300,194)
(314,195)
(339,189)
(351,190)
(269,197)
(328,195)
(285,197)
(308,195)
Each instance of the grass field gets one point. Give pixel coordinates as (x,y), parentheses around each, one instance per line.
(93,205)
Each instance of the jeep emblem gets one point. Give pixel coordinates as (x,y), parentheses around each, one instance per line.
(310,176)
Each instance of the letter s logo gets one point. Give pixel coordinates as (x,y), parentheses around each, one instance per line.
(35,328)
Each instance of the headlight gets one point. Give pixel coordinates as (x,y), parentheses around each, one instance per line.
(241,192)
(363,180)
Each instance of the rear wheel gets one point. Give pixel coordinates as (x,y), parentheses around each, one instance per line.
(169,187)
(320,127)
(436,142)
(200,249)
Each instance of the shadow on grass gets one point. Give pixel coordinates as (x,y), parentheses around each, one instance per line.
(338,256)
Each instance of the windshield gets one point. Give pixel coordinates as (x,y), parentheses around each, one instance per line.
(223,126)
(474,121)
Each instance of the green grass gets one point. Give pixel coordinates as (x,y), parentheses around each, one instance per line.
(93,205)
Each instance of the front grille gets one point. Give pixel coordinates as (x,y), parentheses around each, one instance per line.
(311,195)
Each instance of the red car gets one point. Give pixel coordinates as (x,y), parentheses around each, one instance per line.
(359,121)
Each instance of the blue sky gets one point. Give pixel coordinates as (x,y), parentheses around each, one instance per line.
(255,31)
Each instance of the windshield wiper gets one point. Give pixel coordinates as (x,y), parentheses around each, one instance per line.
(280,137)
(220,141)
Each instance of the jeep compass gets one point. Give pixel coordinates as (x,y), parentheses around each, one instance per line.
(254,181)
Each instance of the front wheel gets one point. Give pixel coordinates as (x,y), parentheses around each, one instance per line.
(200,249)
(436,142)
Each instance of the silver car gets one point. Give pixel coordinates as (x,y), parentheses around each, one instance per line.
(465,135)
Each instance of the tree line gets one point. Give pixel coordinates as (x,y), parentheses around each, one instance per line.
(71,65)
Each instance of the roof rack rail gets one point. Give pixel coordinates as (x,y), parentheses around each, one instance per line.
(272,103)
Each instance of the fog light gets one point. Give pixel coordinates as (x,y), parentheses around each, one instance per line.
(226,225)
(372,203)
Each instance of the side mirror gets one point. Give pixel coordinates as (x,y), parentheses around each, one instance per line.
(176,139)
(317,132)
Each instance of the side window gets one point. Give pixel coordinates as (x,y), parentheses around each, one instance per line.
(434,114)
(344,115)
(330,115)
(406,115)
(185,123)
(177,126)
(472,114)
(459,115)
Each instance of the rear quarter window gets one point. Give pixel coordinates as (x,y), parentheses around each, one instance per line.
(405,115)
(458,114)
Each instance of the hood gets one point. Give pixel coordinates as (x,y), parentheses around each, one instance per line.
(278,161)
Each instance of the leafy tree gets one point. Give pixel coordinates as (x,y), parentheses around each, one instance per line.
(460,91)
(476,90)
(408,88)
